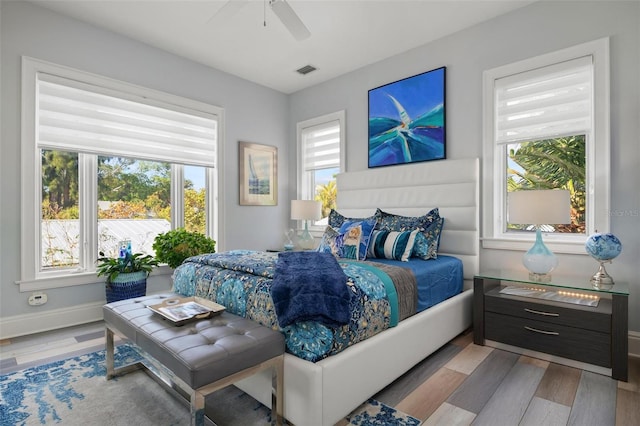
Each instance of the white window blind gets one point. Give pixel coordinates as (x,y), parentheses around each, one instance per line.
(544,103)
(321,146)
(80,117)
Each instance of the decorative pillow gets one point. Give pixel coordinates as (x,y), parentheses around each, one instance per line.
(428,240)
(350,241)
(354,238)
(392,245)
(394,222)
(328,243)
(336,219)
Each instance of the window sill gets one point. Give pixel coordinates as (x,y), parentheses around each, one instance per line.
(70,280)
(576,246)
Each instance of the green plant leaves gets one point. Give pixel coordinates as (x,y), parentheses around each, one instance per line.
(174,246)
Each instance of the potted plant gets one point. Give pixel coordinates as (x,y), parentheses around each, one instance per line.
(174,246)
(126,276)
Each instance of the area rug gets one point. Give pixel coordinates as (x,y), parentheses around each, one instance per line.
(75,392)
(375,413)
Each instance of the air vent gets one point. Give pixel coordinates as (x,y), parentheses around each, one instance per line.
(306,69)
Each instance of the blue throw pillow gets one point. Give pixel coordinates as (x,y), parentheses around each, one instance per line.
(428,241)
(394,222)
(336,219)
(329,243)
(354,238)
(392,245)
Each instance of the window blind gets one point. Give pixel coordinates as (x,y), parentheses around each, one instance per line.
(321,146)
(80,117)
(544,103)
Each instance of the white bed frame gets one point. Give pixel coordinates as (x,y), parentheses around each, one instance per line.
(322,393)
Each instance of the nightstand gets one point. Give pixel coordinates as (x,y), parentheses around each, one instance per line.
(562,321)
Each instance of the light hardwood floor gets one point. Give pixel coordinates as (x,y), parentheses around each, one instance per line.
(461,384)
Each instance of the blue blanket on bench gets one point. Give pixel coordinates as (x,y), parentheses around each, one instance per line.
(310,286)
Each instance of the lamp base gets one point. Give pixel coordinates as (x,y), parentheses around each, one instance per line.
(539,278)
(306,240)
(601,279)
(539,261)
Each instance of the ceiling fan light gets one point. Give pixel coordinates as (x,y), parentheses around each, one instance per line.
(290,20)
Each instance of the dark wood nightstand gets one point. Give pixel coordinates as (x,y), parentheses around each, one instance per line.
(554,318)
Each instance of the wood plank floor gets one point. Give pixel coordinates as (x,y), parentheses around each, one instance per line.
(461,384)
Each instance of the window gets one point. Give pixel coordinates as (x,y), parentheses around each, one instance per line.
(321,158)
(547,127)
(113,163)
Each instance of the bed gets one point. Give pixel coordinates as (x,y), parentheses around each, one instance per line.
(322,387)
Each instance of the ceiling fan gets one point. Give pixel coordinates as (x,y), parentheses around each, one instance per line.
(281,8)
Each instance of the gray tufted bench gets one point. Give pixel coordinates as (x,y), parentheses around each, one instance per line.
(199,357)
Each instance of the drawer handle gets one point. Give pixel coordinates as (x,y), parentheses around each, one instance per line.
(548,314)
(535,330)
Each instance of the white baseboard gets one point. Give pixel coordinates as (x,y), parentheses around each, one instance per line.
(21,325)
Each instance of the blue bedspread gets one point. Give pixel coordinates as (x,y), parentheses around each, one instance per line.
(242,280)
(310,286)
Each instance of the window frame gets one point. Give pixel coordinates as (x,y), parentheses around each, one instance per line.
(305,191)
(597,152)
(31,277)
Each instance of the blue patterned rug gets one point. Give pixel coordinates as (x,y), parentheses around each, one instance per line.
(375,413)
(75,392)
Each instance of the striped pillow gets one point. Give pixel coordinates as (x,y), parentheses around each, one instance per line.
(392,244)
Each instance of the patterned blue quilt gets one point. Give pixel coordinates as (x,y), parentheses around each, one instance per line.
(241,281)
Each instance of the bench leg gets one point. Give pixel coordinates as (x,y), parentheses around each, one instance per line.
(197,408)
(109,353)
(277,397)
(109,358)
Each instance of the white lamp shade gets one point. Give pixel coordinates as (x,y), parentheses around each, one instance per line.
(306,210)
(539,207)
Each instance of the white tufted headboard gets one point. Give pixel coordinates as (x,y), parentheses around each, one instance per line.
(413,190)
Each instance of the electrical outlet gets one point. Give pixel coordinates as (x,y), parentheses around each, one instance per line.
(37,299)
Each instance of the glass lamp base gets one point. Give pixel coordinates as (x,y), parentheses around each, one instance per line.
(306,240)
(539,261)
(540,278)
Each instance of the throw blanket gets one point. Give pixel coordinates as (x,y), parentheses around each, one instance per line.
(405,285)
(310,286)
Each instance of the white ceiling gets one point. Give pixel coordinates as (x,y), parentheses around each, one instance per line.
(345,34)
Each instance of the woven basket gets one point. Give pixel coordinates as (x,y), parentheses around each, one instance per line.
(127,286)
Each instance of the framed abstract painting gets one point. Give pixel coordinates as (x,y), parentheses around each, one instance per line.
(407,120)
(258,166)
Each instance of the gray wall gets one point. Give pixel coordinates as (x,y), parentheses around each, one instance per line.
(253,113)
(537,29)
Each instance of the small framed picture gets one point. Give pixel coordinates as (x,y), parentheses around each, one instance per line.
(258,166)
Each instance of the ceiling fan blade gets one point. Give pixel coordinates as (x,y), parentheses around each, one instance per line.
(290,20)
(229,9)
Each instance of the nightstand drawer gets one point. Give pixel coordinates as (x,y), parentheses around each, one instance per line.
(584,317)
(575,343)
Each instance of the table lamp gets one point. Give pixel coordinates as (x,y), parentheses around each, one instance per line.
(306,210)
(539,207)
